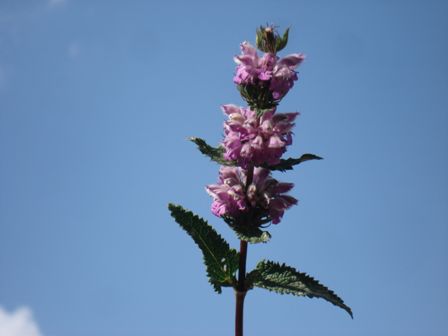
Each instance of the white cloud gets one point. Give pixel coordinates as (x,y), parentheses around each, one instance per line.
(18,323)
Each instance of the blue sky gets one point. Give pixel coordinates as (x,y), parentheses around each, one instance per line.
(97,100)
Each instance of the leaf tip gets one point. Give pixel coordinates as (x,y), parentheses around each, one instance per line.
(349,311)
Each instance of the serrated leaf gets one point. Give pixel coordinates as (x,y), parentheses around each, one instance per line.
(287,280)
(214,153)
(288,164)
(220,260)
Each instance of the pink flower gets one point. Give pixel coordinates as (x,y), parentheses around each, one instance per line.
(265,197)
(284,75)
(251,69)
(268,71)
(267,194)
(253,140)
(228,195)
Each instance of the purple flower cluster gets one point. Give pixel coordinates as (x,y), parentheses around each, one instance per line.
(256,140)
(265,195)
(267,71)
(256,137)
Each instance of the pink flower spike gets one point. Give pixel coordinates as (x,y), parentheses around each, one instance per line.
(264,198)
(253,140)
(268,71)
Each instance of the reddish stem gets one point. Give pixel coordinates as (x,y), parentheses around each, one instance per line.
(241,290)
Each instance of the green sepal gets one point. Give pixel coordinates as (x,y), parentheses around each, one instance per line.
(252,234)
(220,260)
(214,153)
(268,40)
(288,164)
(281,42)
(284,279)
(265,39)
(259,98)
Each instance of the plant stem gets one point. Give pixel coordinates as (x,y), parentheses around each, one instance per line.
(242,267)
(241,290)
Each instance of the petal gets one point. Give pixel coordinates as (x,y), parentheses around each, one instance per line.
(246,60)
(260,175)
(246,150)
(287,117)
(248,49)
(257,142)
(230,108)
(288,201)
(275,142)
(282,187)
(292,60)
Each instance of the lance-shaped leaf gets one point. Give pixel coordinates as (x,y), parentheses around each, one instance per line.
(288,164)
(287,280)
(220,260)
(281,42)
(214,153)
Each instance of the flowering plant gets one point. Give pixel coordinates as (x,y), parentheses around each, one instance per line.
(247,197)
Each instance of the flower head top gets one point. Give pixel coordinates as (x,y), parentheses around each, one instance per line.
(251,68)
(256,140)
(268,39)
(264,199)
(266,77)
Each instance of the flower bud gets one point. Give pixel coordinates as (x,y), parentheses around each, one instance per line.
(269,41)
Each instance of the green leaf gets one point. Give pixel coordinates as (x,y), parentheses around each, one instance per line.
(214,153)
(220,260)
(287,280)
(288,164)
(252,235)
(281,42)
